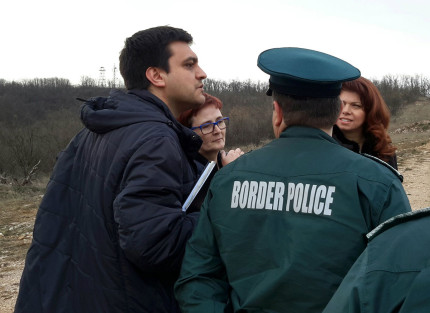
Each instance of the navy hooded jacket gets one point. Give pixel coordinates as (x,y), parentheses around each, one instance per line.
(110,234)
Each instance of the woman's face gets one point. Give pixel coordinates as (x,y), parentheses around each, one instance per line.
(352,115)
(214,141)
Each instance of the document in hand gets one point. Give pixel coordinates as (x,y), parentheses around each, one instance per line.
(198,194)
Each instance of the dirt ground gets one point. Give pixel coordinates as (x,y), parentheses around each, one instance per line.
(415,169)
(18,208)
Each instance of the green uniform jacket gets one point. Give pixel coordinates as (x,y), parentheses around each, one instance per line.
(393,273)
(281,226)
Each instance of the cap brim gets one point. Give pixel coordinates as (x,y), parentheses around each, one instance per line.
(304,72)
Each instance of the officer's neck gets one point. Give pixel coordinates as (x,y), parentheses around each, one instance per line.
(329,131)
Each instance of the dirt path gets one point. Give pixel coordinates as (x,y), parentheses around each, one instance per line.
(415,168)
(15,238)
(9,286)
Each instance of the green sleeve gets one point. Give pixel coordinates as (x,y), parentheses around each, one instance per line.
(350,296)
(396,202)
(373,288)
(417,298)
(382,200)
(202,285)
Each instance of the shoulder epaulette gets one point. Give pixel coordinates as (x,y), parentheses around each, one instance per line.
(396,172)
(395,220)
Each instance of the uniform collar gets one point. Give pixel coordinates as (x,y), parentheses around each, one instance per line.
(306,132)
(398,219)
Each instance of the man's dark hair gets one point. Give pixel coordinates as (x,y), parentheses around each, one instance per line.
(148,48)
(308,111)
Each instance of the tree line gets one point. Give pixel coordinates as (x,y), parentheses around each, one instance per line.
(38,117)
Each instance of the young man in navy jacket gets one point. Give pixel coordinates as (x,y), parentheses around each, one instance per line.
(110,234)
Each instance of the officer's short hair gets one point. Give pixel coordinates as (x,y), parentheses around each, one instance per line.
(308,111)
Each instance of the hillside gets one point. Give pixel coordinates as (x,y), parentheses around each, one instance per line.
(410,132)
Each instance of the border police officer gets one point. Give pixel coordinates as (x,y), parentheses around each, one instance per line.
(393,273)
(282,225)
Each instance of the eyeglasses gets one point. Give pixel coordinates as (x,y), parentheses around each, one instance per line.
(208,128)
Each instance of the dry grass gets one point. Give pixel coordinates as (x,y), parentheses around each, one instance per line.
(412,113)
(410,129)
(18,206)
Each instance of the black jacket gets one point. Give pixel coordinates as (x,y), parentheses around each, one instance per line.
(109,234)
(368,146)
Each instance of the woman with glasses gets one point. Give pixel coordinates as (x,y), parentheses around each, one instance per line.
(209,123)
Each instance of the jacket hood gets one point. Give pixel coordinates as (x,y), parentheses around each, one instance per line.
(101,115)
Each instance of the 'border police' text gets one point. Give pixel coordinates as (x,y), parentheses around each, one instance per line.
(305,198)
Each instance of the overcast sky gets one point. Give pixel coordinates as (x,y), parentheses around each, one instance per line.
(54,38)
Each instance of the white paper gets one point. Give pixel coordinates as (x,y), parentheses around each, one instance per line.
(199,185)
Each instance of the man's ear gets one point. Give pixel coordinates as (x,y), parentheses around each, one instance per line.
(278,115)
(156,76)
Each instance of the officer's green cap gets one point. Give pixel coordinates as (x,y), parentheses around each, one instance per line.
(304,72)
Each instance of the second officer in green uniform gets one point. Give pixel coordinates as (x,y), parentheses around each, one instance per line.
(282,225)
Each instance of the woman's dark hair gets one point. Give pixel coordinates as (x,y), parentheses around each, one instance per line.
(377,117)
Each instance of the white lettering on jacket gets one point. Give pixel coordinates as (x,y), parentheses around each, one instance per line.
(300,198)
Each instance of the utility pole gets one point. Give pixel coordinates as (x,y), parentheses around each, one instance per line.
(114,76)
(102,78)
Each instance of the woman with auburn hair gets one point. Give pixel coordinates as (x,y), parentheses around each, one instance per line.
(362,125)
(209,123)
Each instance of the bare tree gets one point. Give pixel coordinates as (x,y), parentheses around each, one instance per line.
(27,179)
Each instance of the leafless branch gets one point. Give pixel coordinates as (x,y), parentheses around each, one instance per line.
(3,179)
(27,180)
